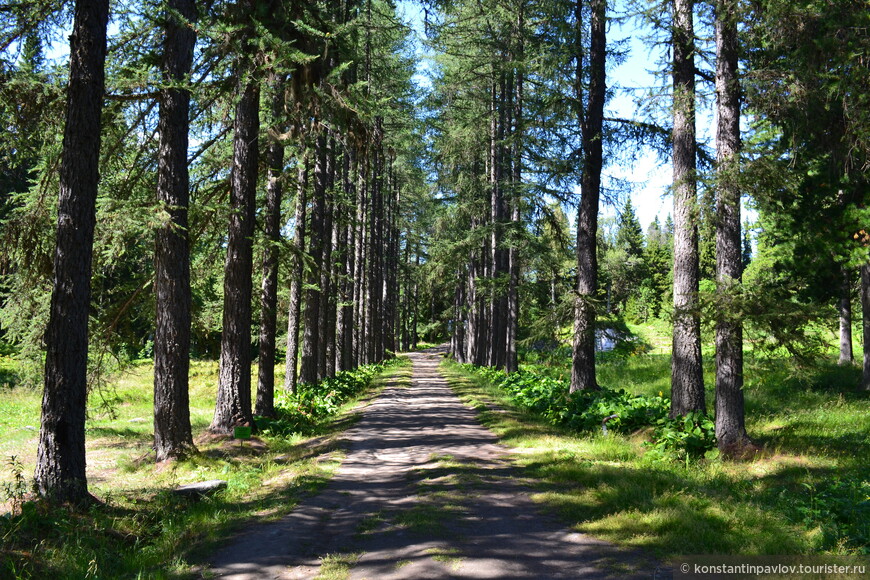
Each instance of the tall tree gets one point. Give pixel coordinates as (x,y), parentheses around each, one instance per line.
(296,278)
(845,311)
(265,404)
(865,321)
(172,432)
(233,406)
(730,426)
(591,123)
(60,464)
(687,379)
(807,56)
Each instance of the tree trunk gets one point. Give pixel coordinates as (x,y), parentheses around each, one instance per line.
(845,308)
(172,431)
(591,123)
(373,337)
(233,405)
(730,428)
(687,380)
(865,310)
(311,334)
(359,290)
(298,272)
(326,321)
(344,272)
(512,324)
(416,304)
(265,405)
(60,463)
(471,301)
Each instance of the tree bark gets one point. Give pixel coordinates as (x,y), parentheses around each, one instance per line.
(845,310)
(60,463)
(298,272)
(591,123)
(326,321)
(344,267)
(865,310)
(731,434)
(172,432)
(265,404)
(513,302)
(309,370)
(233,407)
(359,290)
(687,380)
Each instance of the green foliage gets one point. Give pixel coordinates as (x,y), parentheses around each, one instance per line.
(9,376)
(838,504)
(534,389)
(305,411)
(687,437)
(16,490)
(805,493)
(140,529)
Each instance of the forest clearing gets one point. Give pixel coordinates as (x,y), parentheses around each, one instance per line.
(221,221)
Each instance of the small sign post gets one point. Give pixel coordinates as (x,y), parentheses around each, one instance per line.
(241,433)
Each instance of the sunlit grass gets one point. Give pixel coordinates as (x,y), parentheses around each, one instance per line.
(140,529)
(337,566)
(808,491)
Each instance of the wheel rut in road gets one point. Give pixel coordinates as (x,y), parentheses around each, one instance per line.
(425,491)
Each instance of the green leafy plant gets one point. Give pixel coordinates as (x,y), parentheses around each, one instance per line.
(534,389)
(685,438)
(838,506)
(15,491)
(304,411)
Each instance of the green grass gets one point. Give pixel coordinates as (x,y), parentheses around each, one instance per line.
(807,492)
(443,488)
(140,529)
(336,566)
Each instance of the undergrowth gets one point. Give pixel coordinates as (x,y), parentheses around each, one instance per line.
(534,389)
(139,528)
(303,411)
(806,492)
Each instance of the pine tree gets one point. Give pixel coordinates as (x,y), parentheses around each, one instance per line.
(731,434)
(60,463)
(591,121)
(265,403)
(172,432)
(687,379)
(233,406)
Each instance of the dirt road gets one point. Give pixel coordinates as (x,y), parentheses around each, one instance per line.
(425,492)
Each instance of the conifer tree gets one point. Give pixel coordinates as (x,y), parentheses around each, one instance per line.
(172,431)
(60,464)
(233,406)
(687,379)
(591,120)
(730,425)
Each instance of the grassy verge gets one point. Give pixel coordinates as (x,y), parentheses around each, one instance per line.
(809,492)
(140,529)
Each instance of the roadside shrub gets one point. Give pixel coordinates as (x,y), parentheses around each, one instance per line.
(305,410)
(683,438)
(687,437)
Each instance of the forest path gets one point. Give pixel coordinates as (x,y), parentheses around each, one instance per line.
(424,492)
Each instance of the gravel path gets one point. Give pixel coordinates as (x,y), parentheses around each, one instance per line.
(425,492)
